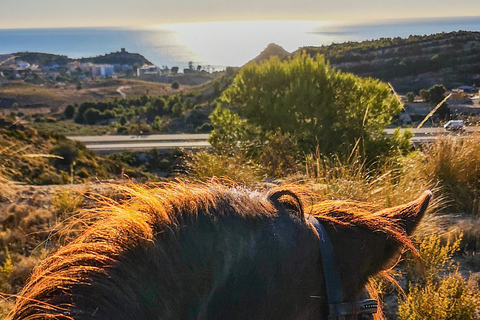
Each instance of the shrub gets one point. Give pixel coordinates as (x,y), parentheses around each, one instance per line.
(436,255)
(69,112)
(434,297)
(450,298)
(68,151)
(67,201)
(175,85)
(48,177)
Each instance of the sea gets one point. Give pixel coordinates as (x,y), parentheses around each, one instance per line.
(216,45)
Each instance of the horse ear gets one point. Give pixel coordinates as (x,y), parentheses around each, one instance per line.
(288,200)
(411,213)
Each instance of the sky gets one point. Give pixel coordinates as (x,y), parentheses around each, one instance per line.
(89,13)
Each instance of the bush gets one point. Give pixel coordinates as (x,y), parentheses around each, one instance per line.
(69,112)
(68,151)
(317,105)
(433,297)
(67,201)
(450,298)
(175,85)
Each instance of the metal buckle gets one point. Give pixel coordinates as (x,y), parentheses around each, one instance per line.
(362,309)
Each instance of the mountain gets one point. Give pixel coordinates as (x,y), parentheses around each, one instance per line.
(413,63)
(271,50)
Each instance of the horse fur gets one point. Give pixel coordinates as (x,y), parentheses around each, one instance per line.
(183,251)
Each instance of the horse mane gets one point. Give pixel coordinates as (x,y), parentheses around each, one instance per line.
(114,228)
(366,215)
(148,212)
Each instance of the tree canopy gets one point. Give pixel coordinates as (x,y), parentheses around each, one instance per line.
(303,97)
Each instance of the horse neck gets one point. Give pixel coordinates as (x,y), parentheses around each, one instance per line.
(235,268)
(224,268)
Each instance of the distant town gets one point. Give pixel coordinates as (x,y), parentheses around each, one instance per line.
(38,67)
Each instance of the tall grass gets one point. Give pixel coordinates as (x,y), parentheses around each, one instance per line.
(202,166)
(391,184)
(453,164)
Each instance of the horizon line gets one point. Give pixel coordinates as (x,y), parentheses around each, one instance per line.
(349,22)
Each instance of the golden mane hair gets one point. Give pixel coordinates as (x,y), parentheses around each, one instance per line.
(162,210)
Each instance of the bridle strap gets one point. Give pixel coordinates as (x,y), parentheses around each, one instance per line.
(337,308)
(333,281)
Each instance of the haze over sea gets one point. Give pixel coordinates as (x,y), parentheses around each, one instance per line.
(217,44)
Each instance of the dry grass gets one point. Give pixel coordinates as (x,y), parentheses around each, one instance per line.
(453,164)
(387,186)
(60,97)
(202,166)
(66,201)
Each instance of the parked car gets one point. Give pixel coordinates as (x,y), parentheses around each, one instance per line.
(454,125)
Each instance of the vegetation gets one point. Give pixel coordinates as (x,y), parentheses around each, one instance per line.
(326,109)
(451,56)
(291,121)
(450,297)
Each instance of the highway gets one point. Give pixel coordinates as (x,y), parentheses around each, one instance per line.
(113,144)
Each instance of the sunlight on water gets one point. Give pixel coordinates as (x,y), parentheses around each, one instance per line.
(218,44)
(235,43)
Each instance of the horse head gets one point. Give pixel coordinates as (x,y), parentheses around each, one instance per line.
(365,241)
(211,252)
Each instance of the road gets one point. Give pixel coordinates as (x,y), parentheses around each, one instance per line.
(112,144)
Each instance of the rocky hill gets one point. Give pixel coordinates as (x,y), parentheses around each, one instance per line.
(412,63)
(47,59)
(271,50)
(120,57)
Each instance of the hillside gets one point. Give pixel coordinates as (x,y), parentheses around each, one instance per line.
(412,63)
(120,57)
(32,97)
(46,59)
(271,50)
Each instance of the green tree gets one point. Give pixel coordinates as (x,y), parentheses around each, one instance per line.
(178,109)
(436,94)
(423,94)
(229,130)
(69,111)
(91,116)
(318,105)
(410,96)
(157,124)
(175,85)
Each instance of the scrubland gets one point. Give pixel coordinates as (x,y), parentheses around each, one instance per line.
(448,238)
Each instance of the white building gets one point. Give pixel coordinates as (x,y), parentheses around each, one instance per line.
(23,65)
(98,70)
(147,69)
